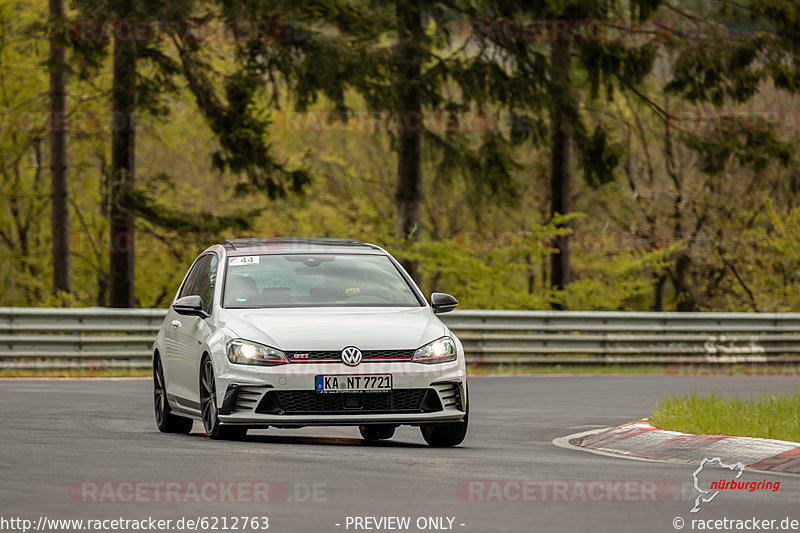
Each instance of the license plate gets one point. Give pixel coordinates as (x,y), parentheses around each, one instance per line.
(375,383)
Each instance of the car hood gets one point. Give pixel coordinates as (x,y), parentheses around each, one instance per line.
(333,328)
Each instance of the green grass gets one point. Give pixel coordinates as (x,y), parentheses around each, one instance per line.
(770,416)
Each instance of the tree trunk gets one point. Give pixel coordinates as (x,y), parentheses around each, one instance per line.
(684,297)
(559,160)
(409,101)
(683,289)
(658,292)
(121,217)
(59,178)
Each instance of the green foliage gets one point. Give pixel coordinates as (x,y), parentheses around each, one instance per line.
(600,157)
(608,65)
(718,64)
(753,149)
(214,160)
(727,64)
(774,270)
(609,281)
(487,280)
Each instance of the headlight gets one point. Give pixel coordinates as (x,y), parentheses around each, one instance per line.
(439,351)
(250,353)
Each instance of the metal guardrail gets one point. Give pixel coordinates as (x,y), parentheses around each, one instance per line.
(123,337)
(96,336)
(591,337)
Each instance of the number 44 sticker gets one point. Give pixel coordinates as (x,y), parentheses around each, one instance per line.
(243,260)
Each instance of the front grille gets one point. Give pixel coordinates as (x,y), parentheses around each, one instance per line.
(312,402)
(366,355)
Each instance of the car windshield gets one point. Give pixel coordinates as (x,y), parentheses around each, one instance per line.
(316,280)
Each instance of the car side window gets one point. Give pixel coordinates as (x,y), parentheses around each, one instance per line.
(205,282)
(186,290)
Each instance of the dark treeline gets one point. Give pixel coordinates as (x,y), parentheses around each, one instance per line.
(583,154)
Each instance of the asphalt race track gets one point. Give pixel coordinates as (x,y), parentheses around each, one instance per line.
(60,437)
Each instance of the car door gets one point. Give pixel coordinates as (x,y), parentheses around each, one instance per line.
(191,333)
(175,360)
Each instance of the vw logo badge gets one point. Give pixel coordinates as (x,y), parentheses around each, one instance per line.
(351,356)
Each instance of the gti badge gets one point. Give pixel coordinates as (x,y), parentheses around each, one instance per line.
(351,356)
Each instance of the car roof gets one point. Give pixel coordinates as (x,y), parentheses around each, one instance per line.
(298,245)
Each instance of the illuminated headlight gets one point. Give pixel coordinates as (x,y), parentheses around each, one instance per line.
(250,353)
(439,351)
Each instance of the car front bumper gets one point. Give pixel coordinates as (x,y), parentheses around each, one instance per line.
(285,395)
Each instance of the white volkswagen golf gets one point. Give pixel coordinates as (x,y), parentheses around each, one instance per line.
(298,332)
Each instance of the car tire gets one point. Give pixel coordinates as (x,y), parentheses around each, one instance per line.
(165,420)
(208,407)
(445,434)
(377,431)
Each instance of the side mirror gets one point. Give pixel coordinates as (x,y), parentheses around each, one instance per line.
(443,303)
(190,306)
